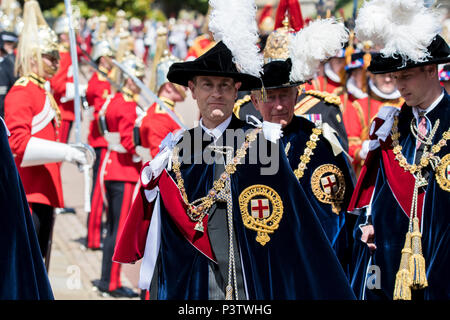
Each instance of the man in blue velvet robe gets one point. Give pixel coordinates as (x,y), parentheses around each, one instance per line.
(22,272)
(259,239)
(403,189)
(315,155)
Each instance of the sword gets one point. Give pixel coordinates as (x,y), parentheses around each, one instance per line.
(77,106)
(153,96)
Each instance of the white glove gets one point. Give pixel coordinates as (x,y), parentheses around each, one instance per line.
(364,150)
(41,151)
(90,114)
(70,91)
(75,156)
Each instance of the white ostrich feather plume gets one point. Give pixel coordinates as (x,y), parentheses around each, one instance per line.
(234,23)
(320,40)
(402,28)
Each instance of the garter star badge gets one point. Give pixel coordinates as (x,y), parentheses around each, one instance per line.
(328,185)
(261,209)
(443,173)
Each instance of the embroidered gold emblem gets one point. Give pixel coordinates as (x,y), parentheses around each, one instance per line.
(443,173)
(262,210)
(328,185)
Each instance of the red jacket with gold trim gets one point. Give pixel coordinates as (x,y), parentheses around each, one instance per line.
(323,83)
(155,126)
(28,113)
(120,118)
(358,115)
(97,91)
(59,82)
(201,44)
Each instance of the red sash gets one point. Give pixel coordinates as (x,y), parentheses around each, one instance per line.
(131,245)
(401,182)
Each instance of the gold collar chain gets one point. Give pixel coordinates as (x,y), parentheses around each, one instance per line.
(308,152)
(199,208)
(426,156)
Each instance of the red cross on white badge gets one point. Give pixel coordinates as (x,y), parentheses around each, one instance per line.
(260,208)
(329,184)
(448,172)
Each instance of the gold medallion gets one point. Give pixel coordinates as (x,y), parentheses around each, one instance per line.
(328,185)
(262,210)
(443,173)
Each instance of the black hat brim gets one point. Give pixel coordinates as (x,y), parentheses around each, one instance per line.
(216,62)
(183,74)
(439,54)
(276,76)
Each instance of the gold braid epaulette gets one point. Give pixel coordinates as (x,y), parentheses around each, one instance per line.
(239,103)
(40,82)
(326,96)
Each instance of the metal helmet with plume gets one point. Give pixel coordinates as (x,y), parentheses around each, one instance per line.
(61,24)
(133,65)
(162,61)
(102,46)
(278,41)
(36,39)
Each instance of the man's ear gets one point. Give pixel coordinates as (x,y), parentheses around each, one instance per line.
(432,70)
(237,85)
(191,86)
(255,100)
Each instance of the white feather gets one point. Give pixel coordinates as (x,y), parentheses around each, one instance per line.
(320,40)
(234,23)
(402,28)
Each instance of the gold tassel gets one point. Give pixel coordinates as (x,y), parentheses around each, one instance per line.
(417,261)
(402,288)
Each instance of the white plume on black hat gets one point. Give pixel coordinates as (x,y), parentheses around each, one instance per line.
(403,28)
(234,23)
(320,40)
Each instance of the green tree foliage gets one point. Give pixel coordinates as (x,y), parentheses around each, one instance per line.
(158,9)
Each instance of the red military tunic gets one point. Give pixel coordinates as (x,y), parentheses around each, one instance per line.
(30,113)
(323,83)
(59,84)
(155,126)
(358,115)
(201,44)
(120,118)
(97,91)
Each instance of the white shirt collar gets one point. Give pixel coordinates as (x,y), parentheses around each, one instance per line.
(430,108)
(330,73)
(217,132)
